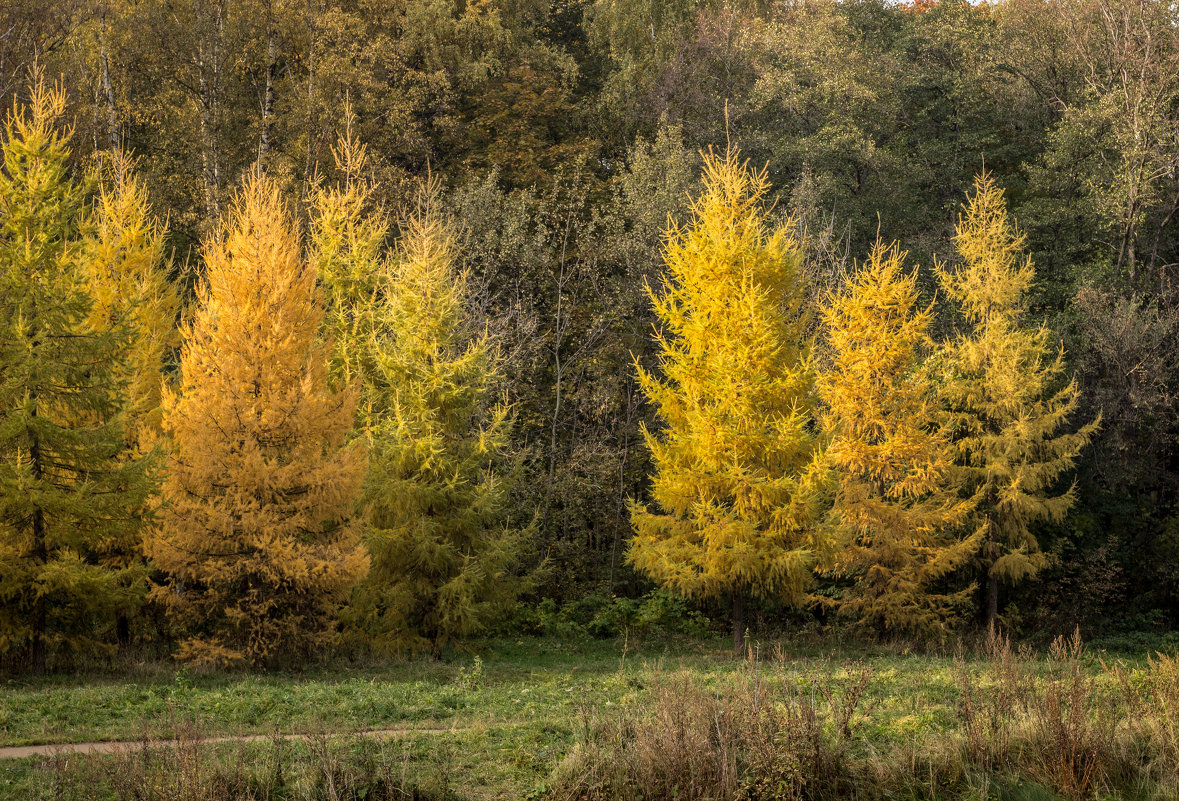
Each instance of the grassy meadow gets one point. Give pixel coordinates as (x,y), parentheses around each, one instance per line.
(582,719)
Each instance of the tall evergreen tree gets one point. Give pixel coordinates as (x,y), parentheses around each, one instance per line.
(443,552)
(259,537)
(348,240)
(896,510)
(737,476)
(126,268)
(1008,403)
(68,498)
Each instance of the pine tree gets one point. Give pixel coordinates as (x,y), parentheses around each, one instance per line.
(127,277)
(1008,403)
(442,550)
(896,512)
(68,497)
(259,537)
(736,475)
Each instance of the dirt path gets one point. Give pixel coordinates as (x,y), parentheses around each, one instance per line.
(114,746)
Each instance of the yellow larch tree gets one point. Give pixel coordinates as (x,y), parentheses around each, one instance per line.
(737,482)
(896,515)
(259,537)
(1006,395)
(126,270)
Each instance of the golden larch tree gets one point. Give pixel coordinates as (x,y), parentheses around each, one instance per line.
(1006,395)
(259,536)
(896,514)
(736,480)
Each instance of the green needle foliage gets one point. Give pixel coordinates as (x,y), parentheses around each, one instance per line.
(71,503)
(442,550)
(126,268)
(348,246)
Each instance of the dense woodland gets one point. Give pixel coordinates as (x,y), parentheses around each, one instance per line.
(382,323)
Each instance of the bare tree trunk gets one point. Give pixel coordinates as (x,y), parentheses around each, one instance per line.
(739,623)
(624,459)
(208,81)
(268,92)
(113,132)
(312,133)
(559,333)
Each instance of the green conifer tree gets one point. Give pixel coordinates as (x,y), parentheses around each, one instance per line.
(69,499)
(126,269)
(442,550)
(348,245)
(737,479)
(1008,402)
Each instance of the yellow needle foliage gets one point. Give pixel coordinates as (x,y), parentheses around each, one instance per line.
(736,477)
(896,512)
(126,270)
(258,535)
(1008,402)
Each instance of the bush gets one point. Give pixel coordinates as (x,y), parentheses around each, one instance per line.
(601,617)
(756,739)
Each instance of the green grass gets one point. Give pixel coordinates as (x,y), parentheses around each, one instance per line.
(510,713)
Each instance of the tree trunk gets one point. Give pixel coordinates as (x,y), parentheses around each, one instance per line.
(268,92)
(40,557)
(208,90)
(123,631)
(559,334)
(312,135)
(992,600)
(113,132)
(738,623)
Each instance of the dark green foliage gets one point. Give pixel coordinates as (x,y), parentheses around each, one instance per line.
(70,507)
(567,133)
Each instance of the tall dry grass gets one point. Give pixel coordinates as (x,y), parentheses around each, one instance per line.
(191,768)
(1051,727)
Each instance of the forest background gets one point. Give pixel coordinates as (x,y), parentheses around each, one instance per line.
(566,136)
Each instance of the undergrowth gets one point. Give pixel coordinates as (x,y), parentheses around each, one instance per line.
(1026,727)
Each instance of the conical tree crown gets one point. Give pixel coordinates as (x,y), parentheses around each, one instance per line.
(896,511)
(348,247)
(258,534)
(1008,401)
(992,285)
(66,495)
(735,472)
(126,271)
(441,547)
